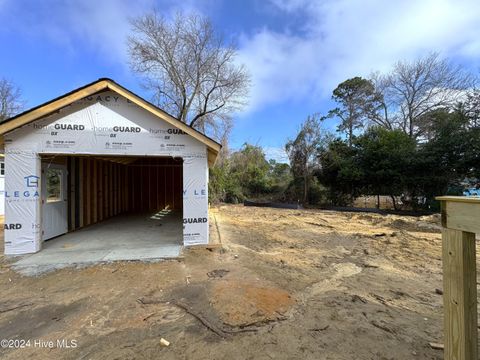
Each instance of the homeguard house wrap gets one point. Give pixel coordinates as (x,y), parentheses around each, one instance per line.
(97,152)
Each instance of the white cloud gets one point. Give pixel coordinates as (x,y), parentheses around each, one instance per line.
(344,38)
(330,41)
(276,153)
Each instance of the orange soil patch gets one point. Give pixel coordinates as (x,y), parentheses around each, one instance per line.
(242,303)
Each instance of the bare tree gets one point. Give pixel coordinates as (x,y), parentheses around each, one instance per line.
(416,88)
(378,114)
(11,102)
(303,152)
(190,68)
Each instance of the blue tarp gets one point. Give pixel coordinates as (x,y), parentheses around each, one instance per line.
(471,192)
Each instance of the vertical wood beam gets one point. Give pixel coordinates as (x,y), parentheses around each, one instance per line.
(142,181)
(88,191)
(157,186)
(149,193)
(114,187)
(95,192)
(125,174)
(69,195)
(117,193)
(100,190)
(81,195)
(77,193)
(72,192)
(117,189)
(165,187)
(459,295)
(106,190)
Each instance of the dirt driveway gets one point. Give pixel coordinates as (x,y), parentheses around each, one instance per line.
(287,284)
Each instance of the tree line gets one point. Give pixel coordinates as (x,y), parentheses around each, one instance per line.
(411,134)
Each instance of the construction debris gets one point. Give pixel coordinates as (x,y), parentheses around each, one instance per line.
(436,346)
(164,342)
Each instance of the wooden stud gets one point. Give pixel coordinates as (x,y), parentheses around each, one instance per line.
(142,181)
(124,188)
(165,189)
(69,193)
(111,192)
(125,209)
(149,194)
(135,188)
(88,191)
(80,189)
(117,189)
(106,190)
(72,192)
(460,295)
(95,192)
(157,188)
(119,186)
(119,193)
(100,190)
(114,179)
(172,189)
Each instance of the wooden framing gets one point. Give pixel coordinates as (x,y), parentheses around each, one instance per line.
(102,187)
(99,86)
(460,220)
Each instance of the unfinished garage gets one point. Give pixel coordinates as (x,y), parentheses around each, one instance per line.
(105,166)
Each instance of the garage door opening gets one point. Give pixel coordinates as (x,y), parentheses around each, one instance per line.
(123,208)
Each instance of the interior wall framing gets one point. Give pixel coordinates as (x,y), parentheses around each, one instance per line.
(102,187)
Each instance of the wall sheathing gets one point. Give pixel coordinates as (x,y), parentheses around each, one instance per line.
(109,125)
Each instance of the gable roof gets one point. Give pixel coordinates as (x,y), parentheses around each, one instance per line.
(95,87)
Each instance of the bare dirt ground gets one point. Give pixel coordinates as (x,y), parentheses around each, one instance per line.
(287,284)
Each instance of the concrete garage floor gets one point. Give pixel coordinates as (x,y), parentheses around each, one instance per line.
(124,237)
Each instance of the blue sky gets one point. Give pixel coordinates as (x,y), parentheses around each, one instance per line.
(296,50)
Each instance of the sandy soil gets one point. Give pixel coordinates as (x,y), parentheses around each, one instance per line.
(287,284)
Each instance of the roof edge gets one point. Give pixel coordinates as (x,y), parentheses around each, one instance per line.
(99,85)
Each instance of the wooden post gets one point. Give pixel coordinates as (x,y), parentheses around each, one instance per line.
(459,294)
(460,219)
